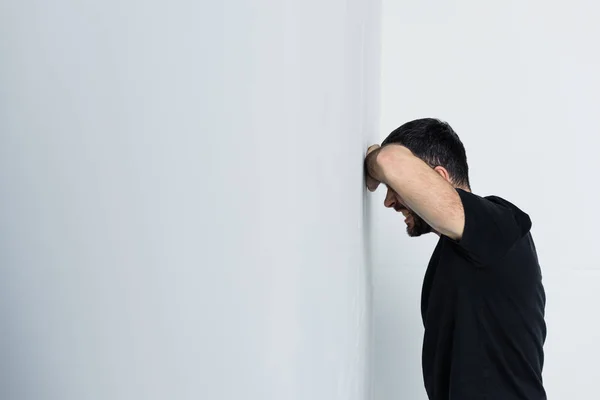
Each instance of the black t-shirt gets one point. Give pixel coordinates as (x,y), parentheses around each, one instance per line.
(483,308)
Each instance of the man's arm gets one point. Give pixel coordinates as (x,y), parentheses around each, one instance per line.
(421,188)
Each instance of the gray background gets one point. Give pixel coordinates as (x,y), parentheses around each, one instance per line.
(182,211)
(182,207)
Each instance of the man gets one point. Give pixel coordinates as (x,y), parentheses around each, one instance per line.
(482,300)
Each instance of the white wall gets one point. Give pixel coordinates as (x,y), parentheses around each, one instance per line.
(519,83)
(182,198)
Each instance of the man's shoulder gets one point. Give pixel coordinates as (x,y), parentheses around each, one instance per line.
(495,212)
(501,201)
(521,217)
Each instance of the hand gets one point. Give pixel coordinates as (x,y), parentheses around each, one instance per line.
(370,159)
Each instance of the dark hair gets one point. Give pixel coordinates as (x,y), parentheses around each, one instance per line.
(436,143)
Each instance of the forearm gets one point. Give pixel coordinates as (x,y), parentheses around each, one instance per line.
(421,188)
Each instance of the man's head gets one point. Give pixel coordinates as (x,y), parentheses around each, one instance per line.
(436,143)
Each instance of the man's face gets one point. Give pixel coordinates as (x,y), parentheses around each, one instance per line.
(415,225)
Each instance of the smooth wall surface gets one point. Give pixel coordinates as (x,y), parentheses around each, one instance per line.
(519,83)
(182,197)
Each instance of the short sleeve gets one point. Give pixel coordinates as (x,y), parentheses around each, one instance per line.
(492,226)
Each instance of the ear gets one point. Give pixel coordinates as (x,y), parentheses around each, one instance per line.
(443,173)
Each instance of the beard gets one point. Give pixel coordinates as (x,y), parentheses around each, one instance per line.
(417,226)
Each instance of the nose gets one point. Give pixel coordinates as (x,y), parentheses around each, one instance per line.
(390,199)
